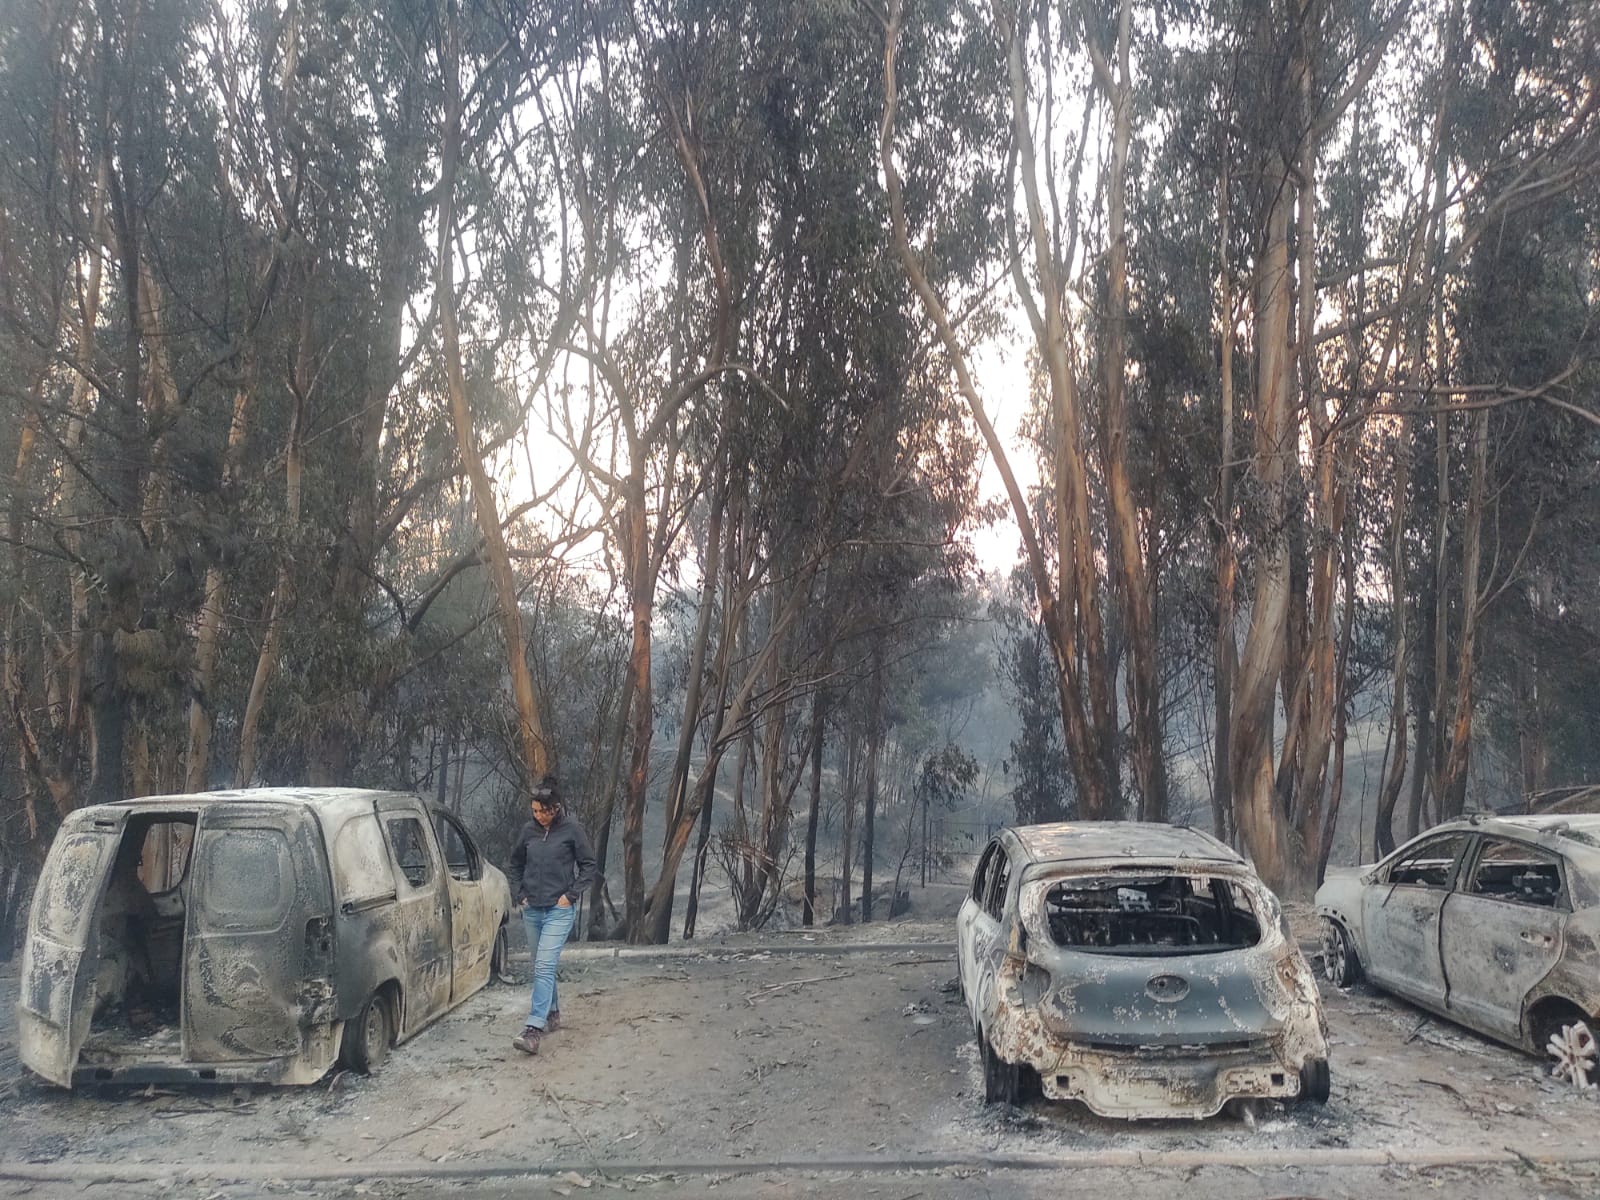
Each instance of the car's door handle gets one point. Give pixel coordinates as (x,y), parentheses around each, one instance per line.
(1535,938)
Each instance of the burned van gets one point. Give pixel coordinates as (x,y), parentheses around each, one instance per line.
(252,936)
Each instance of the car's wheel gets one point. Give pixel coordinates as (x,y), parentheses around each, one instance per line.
(1029,1085)
(1563,1034)
(367,1038)
(1003,1082)
(1339,961)
(1316,1083)
(500,957)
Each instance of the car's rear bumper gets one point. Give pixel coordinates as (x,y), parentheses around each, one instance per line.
(1165,1083)
(1193,1079)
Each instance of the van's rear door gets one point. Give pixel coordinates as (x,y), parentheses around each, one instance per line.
(258,892)
(57,999)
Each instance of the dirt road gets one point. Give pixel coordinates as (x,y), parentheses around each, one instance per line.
(792,1067)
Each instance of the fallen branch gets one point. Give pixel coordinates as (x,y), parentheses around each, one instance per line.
(1448,1087)
(772,989)
(418,1129)
(594,1160)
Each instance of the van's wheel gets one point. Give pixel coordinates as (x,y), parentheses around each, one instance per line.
(500,957)
(367,1038)
(1316,1082)
(1339,960)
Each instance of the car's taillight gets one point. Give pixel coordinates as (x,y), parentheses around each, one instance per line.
(1035,983)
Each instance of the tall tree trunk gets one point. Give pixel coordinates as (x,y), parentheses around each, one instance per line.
(278,604)
(1453,779)
(1136,587)
(1260,819)
(1227,645)
(608,804)
(874,749)
(1317,658)
(1342,712)
(530,728)
(208,638)
(819,717)
(844,897)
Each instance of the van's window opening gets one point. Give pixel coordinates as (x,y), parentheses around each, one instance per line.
(460,857)
(410,847)
(361,869)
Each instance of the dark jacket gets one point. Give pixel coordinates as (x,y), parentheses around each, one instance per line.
(547,863)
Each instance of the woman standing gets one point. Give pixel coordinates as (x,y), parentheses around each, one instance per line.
(551,867)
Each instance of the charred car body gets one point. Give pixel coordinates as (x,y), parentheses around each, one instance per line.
(1141,969)
(1491,922)
(252,936)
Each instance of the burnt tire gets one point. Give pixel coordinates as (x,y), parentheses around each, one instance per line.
(1003,1082)
(367,1038)
(1340,963)
(500,957)
(1316,1082)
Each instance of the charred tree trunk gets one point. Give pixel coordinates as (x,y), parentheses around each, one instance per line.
(1453,779)
(278,604)
(874,749)
(819,717)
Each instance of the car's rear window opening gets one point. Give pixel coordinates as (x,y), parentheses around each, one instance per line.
(1156,914)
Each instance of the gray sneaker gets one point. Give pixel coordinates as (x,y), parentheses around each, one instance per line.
(553,1021)
(528,1040)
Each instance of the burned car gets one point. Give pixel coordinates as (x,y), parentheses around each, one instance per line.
(1141,969)
(252,936)
(1493,922)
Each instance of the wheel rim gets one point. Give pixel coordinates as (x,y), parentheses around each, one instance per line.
(375,1033)
(1333,953)
(1574,1055)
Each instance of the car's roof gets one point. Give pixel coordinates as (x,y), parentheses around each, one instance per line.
(1547,830)
(1068,841)
(333,804)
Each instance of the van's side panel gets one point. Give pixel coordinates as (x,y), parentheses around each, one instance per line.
(420,912)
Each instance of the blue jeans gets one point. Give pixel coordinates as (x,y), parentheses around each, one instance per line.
(547,930)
